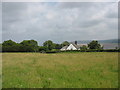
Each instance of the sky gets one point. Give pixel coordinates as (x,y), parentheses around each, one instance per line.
(59,21)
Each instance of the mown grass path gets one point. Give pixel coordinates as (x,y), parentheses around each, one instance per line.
(60,70)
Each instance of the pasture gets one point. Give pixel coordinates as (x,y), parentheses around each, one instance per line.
(60,70)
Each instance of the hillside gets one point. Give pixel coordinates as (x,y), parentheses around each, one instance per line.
(107,44)
(100,41)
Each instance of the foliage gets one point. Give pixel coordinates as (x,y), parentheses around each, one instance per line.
(0,47)
(83,48)
(65,43)
(94,45)
(29,46)
(43,49)
(112,50)
(57,46)
(9,43)
(49,44)
(53,51)
(10,46)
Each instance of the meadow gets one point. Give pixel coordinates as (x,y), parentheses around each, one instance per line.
(60,70)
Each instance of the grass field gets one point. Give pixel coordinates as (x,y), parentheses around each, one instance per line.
(61,70)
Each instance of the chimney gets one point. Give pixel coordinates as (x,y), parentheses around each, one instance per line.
(76,42)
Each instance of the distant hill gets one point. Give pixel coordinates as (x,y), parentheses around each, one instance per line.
(100,41)
(109,41)
(107,44)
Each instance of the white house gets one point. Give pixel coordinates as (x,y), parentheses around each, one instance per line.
(72,46)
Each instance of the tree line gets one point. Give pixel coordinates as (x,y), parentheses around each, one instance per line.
(48,46)
(30,46)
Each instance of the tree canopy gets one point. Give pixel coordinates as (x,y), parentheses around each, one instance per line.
(32,46)
(29,46)
(49,44)
(94,45)
(9,46)
(65,43)
(83,48)
(24,46)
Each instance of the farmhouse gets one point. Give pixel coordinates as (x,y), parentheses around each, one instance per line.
(72,46)
(75,46)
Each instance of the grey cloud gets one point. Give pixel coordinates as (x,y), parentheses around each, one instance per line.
(13,11)
(58,21)
(112,11)
(72,5)
(112,15)
(83,5)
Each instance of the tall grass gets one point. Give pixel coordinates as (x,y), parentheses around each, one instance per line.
(60,70)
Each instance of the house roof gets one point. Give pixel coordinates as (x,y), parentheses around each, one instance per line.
(76,46)
(65,47)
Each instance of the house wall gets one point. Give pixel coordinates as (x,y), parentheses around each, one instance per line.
(62,49)
(71,47)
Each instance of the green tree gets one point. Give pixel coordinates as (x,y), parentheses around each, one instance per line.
(8,43)
(0,47)
(83,48)
(10,46)
(94,45)
(49,44)
(65,43)
(29,46)
(43,49)
(57,46)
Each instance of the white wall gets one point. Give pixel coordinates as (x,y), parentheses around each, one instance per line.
(62,49)
(71,47)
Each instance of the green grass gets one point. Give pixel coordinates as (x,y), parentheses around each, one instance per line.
(60,70)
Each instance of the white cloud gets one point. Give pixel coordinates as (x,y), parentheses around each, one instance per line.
(59,21)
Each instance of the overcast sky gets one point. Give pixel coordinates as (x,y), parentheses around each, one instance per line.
(59,21)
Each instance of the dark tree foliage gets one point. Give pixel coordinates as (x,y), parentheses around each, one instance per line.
(94,45)
(65,43)
(8,43)
(0,47)
(49,44)
(83,48)
(29,46)
(58,46)
(10,46)
(43,49)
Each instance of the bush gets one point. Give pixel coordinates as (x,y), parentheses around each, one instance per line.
(51,52)
(43,49)
(111,50)
(10,46)
(55,50)
(72,51)
(94,45)
(101,50)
